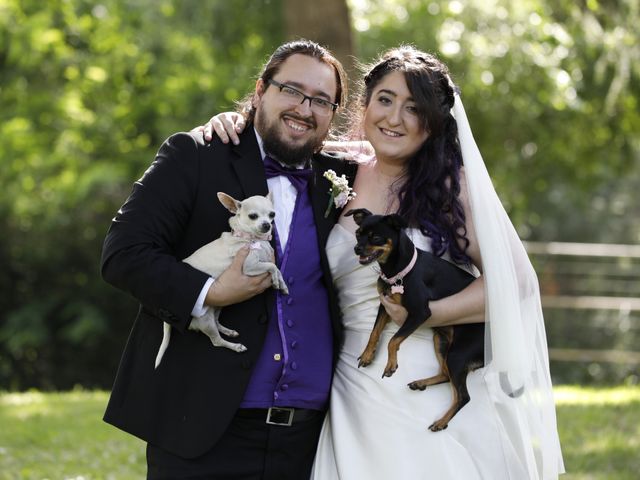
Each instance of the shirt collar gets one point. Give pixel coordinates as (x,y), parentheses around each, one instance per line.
(260,144)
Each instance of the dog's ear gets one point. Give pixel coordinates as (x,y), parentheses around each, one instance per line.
(229,202)
(358,214)
(396,221)
(270,197)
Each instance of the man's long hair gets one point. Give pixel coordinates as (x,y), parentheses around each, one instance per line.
(302,47)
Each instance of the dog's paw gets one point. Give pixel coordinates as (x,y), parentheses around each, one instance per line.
(390,370)
(278,283)
(417,385)
(365,360)
(438,426)
(238,347)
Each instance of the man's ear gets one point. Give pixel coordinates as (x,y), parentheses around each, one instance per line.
(359,214)
(229,202)
(257,95)
(396,221)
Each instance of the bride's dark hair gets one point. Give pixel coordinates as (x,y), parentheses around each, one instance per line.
(430,187)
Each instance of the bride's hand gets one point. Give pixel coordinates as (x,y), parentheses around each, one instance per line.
(227,125)
(396,311)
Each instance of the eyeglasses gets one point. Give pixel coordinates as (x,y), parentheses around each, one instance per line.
(318,105)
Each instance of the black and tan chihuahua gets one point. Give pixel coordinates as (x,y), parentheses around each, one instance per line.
(413,277)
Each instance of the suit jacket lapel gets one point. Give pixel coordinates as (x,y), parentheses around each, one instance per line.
(248,164)
(319,191)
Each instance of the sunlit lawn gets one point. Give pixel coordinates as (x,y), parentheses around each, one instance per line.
(600,432)
(61,436)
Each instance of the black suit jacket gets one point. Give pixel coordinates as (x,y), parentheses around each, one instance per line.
(186,404)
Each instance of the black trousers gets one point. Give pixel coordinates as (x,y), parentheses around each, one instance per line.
(250,449)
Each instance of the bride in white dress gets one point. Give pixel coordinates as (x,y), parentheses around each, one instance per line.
(377,428)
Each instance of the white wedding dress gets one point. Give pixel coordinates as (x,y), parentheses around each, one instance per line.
(377,428)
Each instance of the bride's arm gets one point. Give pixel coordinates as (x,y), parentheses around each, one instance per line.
(466,306)
(227,126)
(357,148)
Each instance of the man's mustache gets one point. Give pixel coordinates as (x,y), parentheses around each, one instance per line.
(308,120)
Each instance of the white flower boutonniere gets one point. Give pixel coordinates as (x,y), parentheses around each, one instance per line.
(340,192)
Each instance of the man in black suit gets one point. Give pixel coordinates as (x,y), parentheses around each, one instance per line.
(209,412)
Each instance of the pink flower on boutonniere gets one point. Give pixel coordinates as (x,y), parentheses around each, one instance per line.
(340,192)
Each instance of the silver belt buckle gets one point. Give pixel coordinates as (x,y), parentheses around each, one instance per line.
(281,416)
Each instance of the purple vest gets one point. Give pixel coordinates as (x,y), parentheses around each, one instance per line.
(295,367)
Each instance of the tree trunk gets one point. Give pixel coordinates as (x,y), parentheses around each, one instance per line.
(326,22)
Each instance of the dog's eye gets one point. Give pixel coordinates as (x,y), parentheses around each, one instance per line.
(253,216)
(272,214)
(377,239)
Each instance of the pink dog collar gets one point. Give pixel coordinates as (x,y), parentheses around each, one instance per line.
(396,280)
(246,236)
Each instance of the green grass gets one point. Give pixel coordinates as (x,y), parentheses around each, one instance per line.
(599,432)
(61,436)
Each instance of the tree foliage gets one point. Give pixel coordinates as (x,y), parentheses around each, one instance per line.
(551,89)
(88,91)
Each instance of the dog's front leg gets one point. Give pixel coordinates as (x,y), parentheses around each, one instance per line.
(408,327)
(253,265)
(276,278)
(369,352)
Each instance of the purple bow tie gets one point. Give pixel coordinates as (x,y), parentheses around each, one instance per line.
(299,177)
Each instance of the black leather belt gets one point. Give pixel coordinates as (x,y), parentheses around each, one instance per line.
(282,416)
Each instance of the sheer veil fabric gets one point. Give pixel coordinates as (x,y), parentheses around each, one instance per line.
(516,358)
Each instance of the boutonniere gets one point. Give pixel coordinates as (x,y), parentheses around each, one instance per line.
(340,192)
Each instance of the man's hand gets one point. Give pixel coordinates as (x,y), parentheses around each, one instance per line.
(233,286)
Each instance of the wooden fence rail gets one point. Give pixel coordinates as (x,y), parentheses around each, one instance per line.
(589,277)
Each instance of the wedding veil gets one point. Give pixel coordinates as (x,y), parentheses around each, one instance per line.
(517,365)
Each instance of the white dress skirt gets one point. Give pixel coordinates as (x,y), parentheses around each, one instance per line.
(377,428)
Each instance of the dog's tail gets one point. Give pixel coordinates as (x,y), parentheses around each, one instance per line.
(166,336)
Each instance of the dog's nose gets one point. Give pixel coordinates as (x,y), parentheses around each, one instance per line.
(265,227)
(358,249)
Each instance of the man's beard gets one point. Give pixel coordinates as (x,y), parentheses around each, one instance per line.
(279,149)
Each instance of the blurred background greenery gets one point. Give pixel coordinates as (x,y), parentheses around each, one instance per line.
(89,90)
